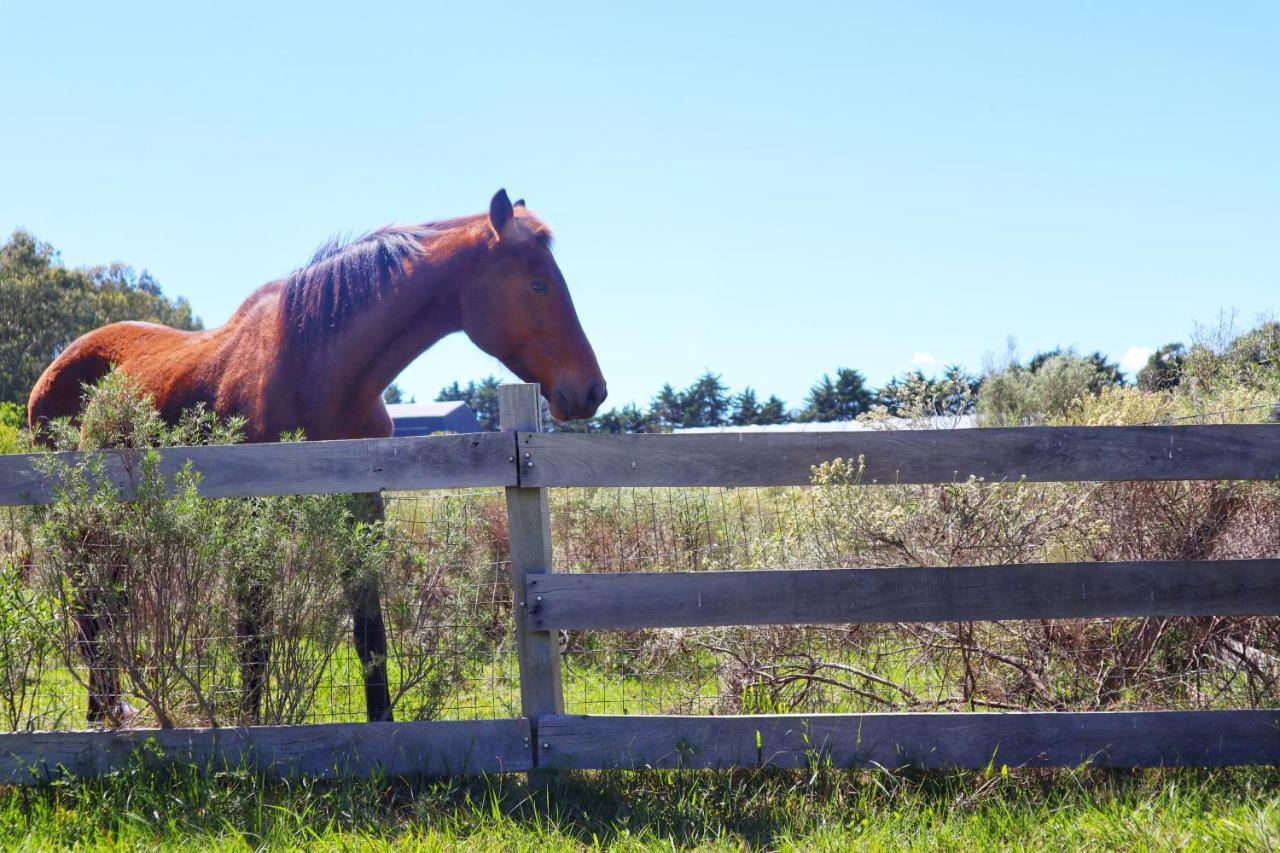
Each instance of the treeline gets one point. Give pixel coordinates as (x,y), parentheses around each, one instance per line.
(1009,392)
(708,402)
(44,306)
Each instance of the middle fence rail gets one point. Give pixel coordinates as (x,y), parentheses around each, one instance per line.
(528,462)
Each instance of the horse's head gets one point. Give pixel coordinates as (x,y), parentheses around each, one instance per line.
(517,308)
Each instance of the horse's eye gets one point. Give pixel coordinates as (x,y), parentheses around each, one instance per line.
(538,285)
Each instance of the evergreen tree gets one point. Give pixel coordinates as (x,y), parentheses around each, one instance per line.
(820,406)
(841,399)
(746,410)
(774,411)
(667,409)
(705,402)
(627,419)
(853,397)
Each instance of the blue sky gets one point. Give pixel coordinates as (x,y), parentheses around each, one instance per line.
(766,190)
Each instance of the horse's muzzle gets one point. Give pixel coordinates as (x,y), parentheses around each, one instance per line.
(569,404)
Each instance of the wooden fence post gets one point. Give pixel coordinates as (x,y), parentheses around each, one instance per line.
(529,526)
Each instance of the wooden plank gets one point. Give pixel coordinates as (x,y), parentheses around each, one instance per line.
(632,600)
(334,750)
(923,740)
(529,526)
(1231,452)
(311,467)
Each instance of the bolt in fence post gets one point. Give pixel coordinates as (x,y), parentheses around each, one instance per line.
(529,527)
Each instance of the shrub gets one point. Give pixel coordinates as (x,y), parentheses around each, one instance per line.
(12,418)
(181,586)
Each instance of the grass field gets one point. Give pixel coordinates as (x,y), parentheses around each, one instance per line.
(142,807)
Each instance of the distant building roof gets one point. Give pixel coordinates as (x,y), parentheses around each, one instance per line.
(942,422)
(428,418)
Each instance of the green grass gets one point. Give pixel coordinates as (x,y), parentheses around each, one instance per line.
(181,807)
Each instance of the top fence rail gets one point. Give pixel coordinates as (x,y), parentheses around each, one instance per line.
(1038,454)
(297,468)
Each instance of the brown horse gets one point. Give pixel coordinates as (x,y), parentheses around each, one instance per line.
(316,349)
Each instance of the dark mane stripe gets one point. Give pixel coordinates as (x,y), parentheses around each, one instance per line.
(347,275)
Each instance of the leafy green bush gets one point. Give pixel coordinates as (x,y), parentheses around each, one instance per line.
(26,649)
(180,584)
(12,417)
(1045,388)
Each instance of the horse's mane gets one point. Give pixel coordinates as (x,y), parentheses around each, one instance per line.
(346,275)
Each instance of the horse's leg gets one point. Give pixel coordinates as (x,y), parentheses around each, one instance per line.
(105,702)
(255,654)
(366,620)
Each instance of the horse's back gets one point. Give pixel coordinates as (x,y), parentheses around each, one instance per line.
(128,345)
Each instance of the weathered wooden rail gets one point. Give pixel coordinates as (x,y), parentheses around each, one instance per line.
(528,462)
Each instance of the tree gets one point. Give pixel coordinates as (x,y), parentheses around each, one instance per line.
(839,399)
(666,410)
(44,307)
(1163,369)
(705,403)
(395,394)
(481,396)
(746,409)
(627,419)
(774,411)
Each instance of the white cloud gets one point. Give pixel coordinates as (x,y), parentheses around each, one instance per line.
(922,359)
(1134,359)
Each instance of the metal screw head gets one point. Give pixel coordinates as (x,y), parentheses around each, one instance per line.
(530,464)
(527,454)
(511,459)
(537,598)
(546,745)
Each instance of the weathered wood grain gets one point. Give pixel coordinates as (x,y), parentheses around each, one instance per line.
(1229,452)
(334,750)
(529,526)
(924,740)
(632,600)
(311,467)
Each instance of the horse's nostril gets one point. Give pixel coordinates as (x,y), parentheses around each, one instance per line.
(562,401)
(596,394)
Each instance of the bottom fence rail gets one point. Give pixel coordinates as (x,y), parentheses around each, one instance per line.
(920,740)
(332,750)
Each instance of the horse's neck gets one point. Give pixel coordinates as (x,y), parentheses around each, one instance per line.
(358,361)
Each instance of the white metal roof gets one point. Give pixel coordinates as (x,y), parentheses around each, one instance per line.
(942,422)
(423,410)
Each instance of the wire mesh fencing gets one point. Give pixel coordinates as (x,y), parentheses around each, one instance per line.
(186,592)
(181,625)
(1096,664)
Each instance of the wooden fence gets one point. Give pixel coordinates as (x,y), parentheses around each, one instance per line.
(528,462)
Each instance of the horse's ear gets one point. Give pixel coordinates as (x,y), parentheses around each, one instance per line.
(519,203)
(500,212)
